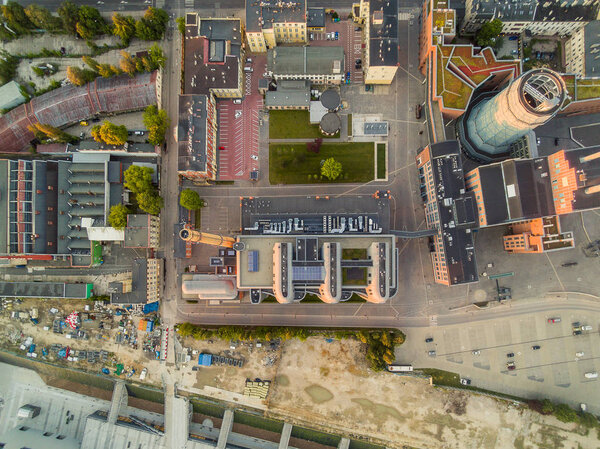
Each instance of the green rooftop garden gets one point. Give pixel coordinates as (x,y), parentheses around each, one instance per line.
(588,88)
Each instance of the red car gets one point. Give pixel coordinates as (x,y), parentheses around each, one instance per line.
(221,148)
(553,320)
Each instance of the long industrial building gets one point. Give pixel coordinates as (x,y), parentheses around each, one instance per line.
(70,104)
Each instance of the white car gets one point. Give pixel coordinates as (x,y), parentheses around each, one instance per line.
(254,157)
(238,114)
(592,375)
(143,373)
(476,352)
(579,354)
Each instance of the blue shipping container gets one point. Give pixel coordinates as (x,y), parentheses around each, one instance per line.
(205,359)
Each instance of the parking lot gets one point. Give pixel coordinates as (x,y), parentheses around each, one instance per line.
(348,38)
(483,353)
(239,128)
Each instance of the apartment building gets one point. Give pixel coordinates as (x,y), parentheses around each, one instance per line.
(213,55)
(269,22)
(380,19)
(582,51)
(540,18)
(197,137)
(450,210)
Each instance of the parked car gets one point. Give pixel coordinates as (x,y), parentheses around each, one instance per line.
(358,61)
(591,375)
(511,366)
(337,35)
(554,320)
(143,373)
(465,381)
(577,332)
(428,340)
(248,59)
(586,328)
(238,114)
(579,354)
(418,110)
(476,352)
(535,347)
(237,101)
(513,38)
(431,353)
(510,354)
(312,36)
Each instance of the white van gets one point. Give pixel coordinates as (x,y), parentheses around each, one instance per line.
(592,375)
(248,69)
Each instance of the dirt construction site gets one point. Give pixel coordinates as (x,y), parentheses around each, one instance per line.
(318,383)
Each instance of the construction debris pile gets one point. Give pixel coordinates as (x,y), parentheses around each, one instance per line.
(257,388)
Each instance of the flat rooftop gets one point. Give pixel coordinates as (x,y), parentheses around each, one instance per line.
(191,132)
(264,13)
(305,60)
(212,52)
(383,37)
(314,215)
(262,276)
(44,290)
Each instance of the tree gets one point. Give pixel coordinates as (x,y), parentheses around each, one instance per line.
(564,413)
(79,77)
(90,23)
(152,26)
(117,217)
(315,146)
(46,132)
(488,33)
(69,14)
(138,179)
(8,66)
(110,133)
(91,63)
(123,27)
(156,122)
(150,202)
(16,19)
(107,70)
(547,407)
(331,169)
(181,25)
(127,63)
(190,199)
(156,57)
(40,17)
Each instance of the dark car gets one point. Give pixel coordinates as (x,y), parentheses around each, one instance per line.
(358,61)
(535,347)
(418,110)
(513,38)
(511,368)
(428,340)
(577,332)
(510,354)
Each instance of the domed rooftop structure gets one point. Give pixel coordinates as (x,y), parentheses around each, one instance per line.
(331,99)
(330,124)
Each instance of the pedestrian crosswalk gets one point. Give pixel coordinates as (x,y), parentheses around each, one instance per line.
(404,16)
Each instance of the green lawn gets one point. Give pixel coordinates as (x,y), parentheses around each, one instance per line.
(292,163)
(349,124)
(292,125)
(381,166)
(96,253)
